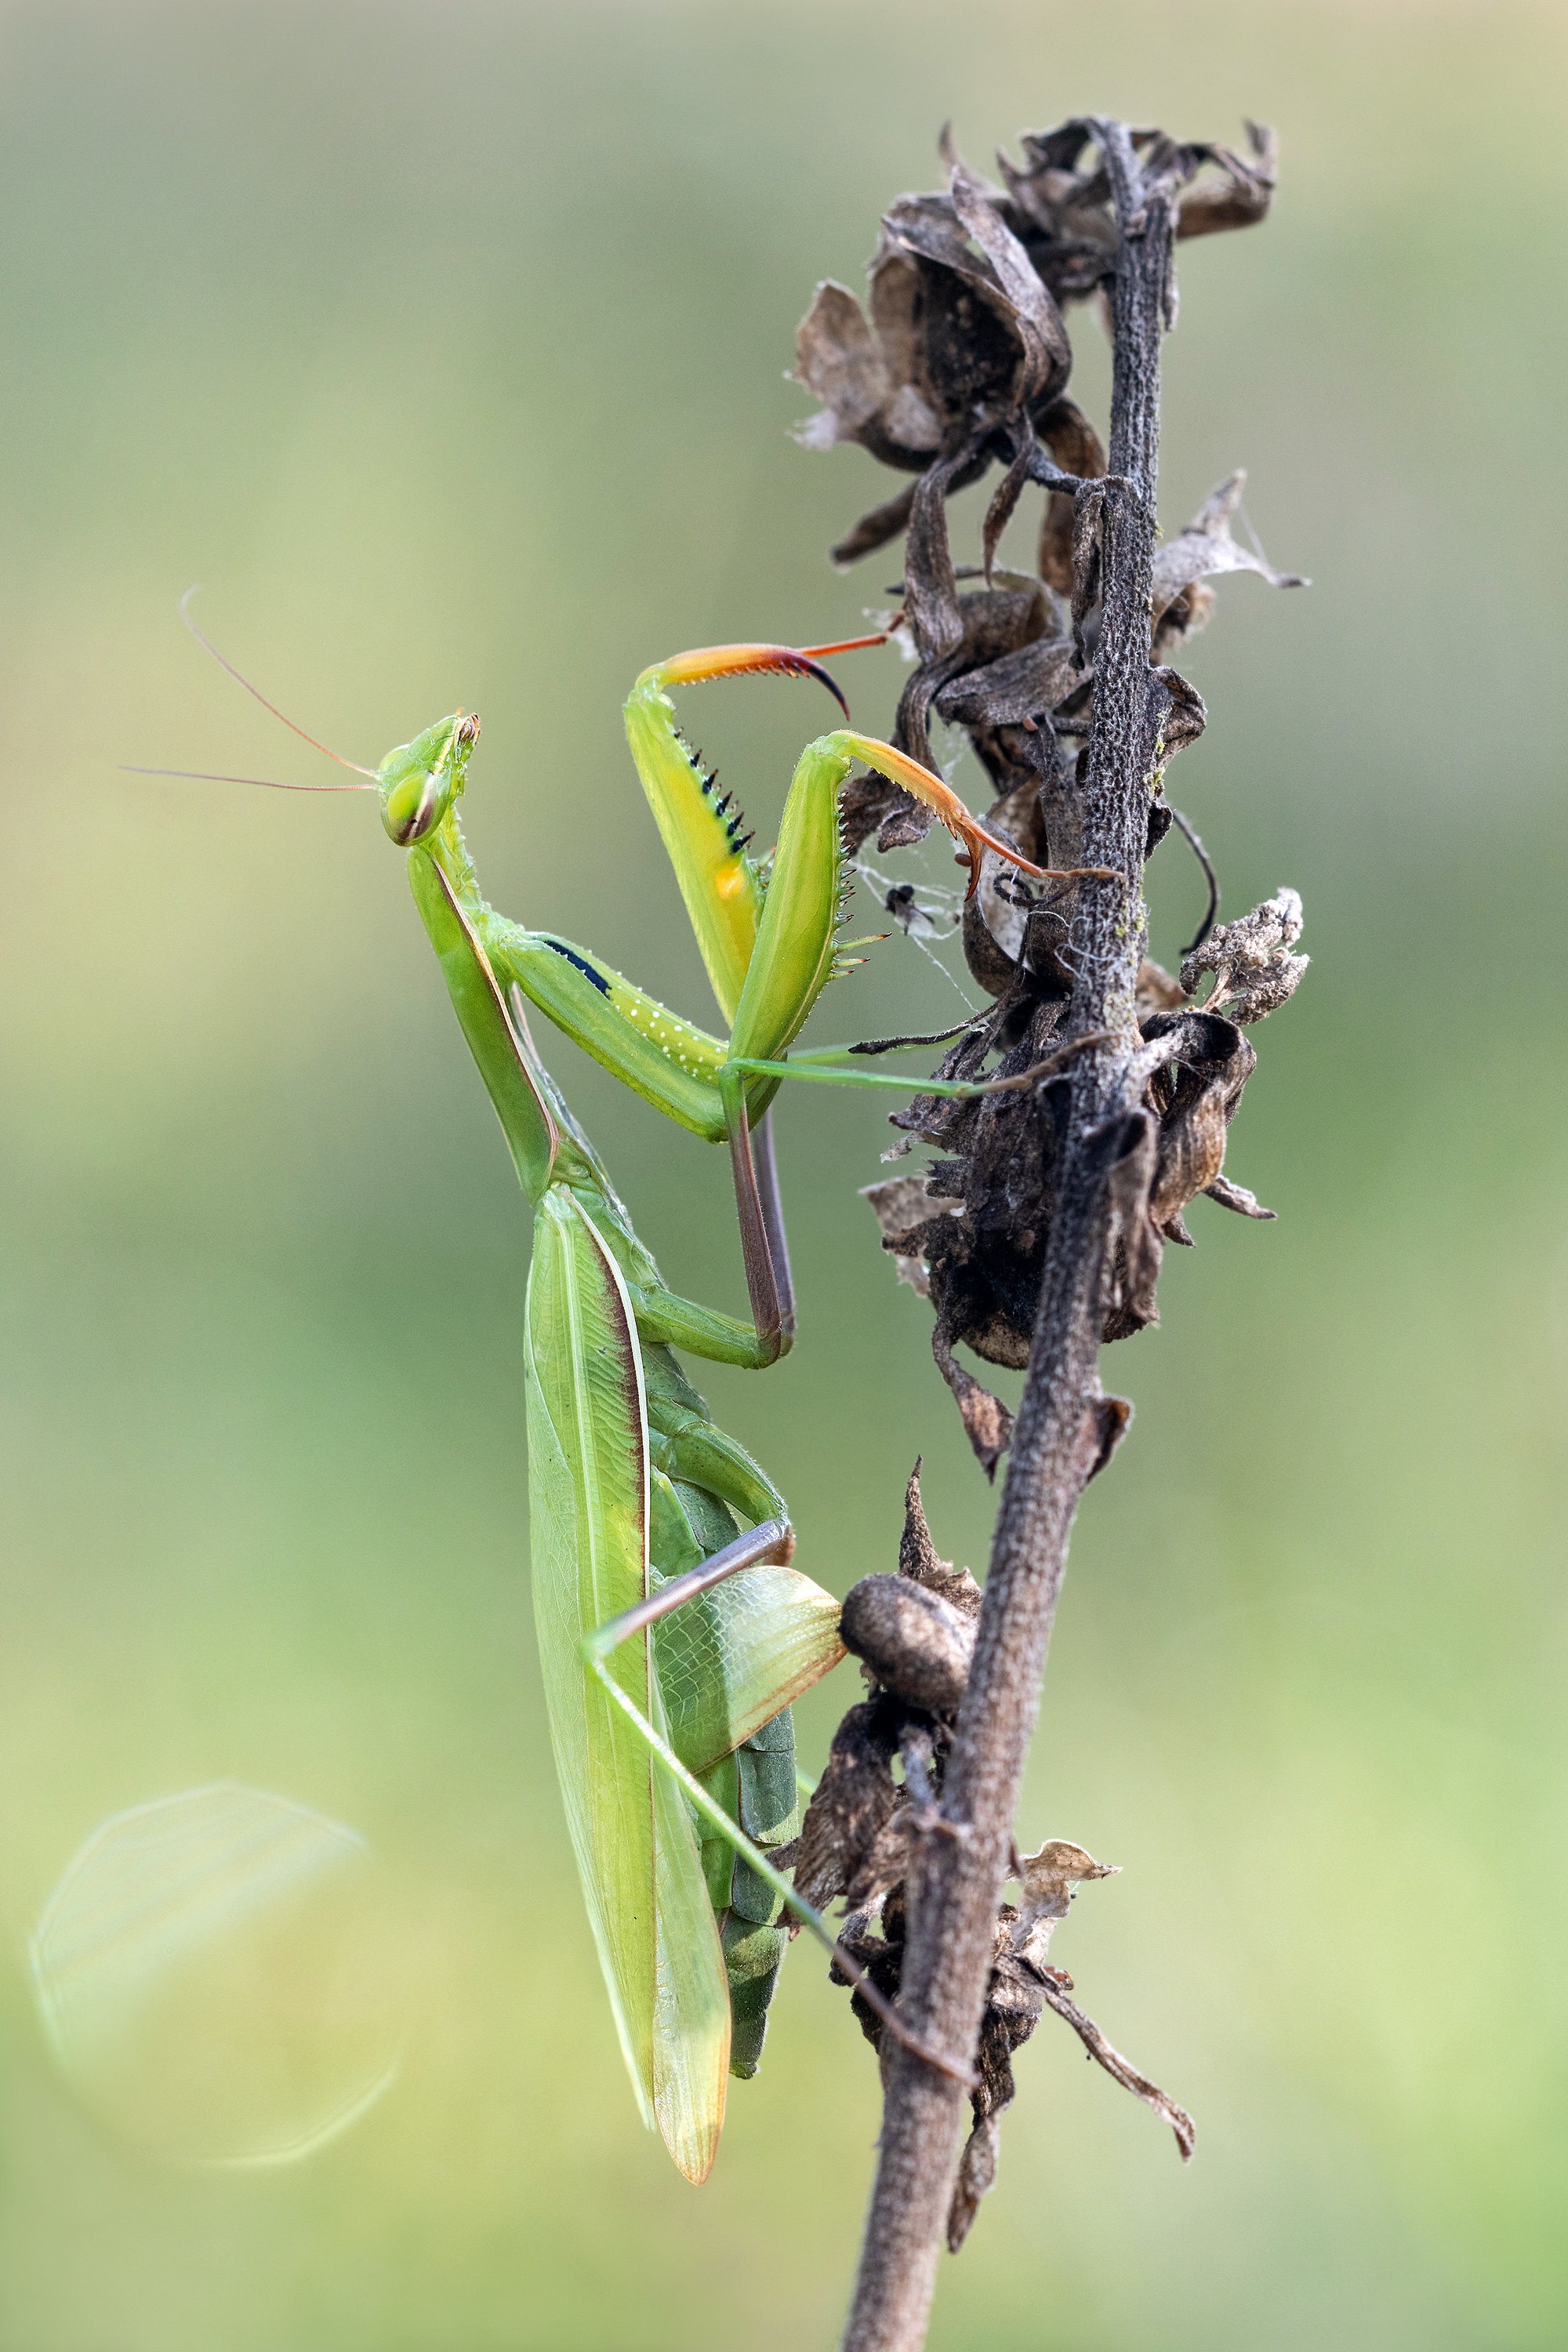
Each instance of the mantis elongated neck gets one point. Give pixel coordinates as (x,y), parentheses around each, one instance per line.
(451,853)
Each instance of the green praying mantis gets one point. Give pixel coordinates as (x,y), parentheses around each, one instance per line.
(671,1642)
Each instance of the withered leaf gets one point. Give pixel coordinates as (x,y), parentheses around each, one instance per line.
(959,361)
(874,530)
(1023,1982)
(918,1557)
(1049,1878)
(986,1420)
(1187,714)
(1203,548)
(1243,192)
(953,335)
(1121,2070)
(1037,320)
(1237,1197)
(1034,679)
(853,1802)
(1076,448)
(1157,990)
(902,1206)
(838,357)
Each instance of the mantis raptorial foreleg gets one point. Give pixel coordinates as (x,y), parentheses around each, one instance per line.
(768,943)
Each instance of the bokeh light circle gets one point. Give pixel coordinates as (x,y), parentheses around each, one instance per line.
(216,1979)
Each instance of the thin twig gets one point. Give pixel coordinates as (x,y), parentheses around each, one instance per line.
(1121,2070)
(956,1884)
(1189,832)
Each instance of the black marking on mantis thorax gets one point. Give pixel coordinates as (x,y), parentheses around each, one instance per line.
(580,962)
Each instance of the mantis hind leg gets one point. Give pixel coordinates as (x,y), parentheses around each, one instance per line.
(771,1542)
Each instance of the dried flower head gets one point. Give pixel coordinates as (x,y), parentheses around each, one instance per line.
(862,1835)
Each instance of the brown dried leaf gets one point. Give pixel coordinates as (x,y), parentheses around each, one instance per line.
(930,591)
(1187,714)
(1037,320)
(886,1861)
(918,1557)
(1199,1065)
(976,2171)
(1191,1154)
(838,358)
(1113,1417)
(1023,1983)
(1024,684)
(1049,1878)
(853,1800)
(1205,547)
(1136,1247)
(1237,1197)
(1242,197)
(903,1207)
(874,530)
(1076,448)
(1157,990)
(1121,2070)
(986,1420)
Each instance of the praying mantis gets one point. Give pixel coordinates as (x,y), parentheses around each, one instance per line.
(675,1755)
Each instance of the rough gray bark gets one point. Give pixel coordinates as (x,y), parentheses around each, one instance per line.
(1058,1439)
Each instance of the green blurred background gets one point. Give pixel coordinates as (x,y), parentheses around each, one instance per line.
(443,347)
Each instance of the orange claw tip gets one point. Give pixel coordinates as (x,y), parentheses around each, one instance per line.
(739,661)
(943,801)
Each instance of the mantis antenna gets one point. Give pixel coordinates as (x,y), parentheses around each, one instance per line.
(224,663)
(205,776)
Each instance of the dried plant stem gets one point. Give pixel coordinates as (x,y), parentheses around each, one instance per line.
(1056,1440)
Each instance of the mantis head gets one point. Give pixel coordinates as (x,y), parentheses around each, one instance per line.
(419,782)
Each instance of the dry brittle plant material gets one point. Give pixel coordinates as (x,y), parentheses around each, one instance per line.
(861,1840)
(960,363)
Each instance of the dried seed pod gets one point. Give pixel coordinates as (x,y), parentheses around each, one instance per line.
(917,1644)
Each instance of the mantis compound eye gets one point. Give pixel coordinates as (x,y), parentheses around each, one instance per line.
(413,805)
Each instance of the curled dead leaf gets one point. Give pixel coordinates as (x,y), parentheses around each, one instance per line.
(1205,547)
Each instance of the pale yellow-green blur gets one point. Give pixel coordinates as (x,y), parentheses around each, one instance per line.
(218,1980)
(444,348)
